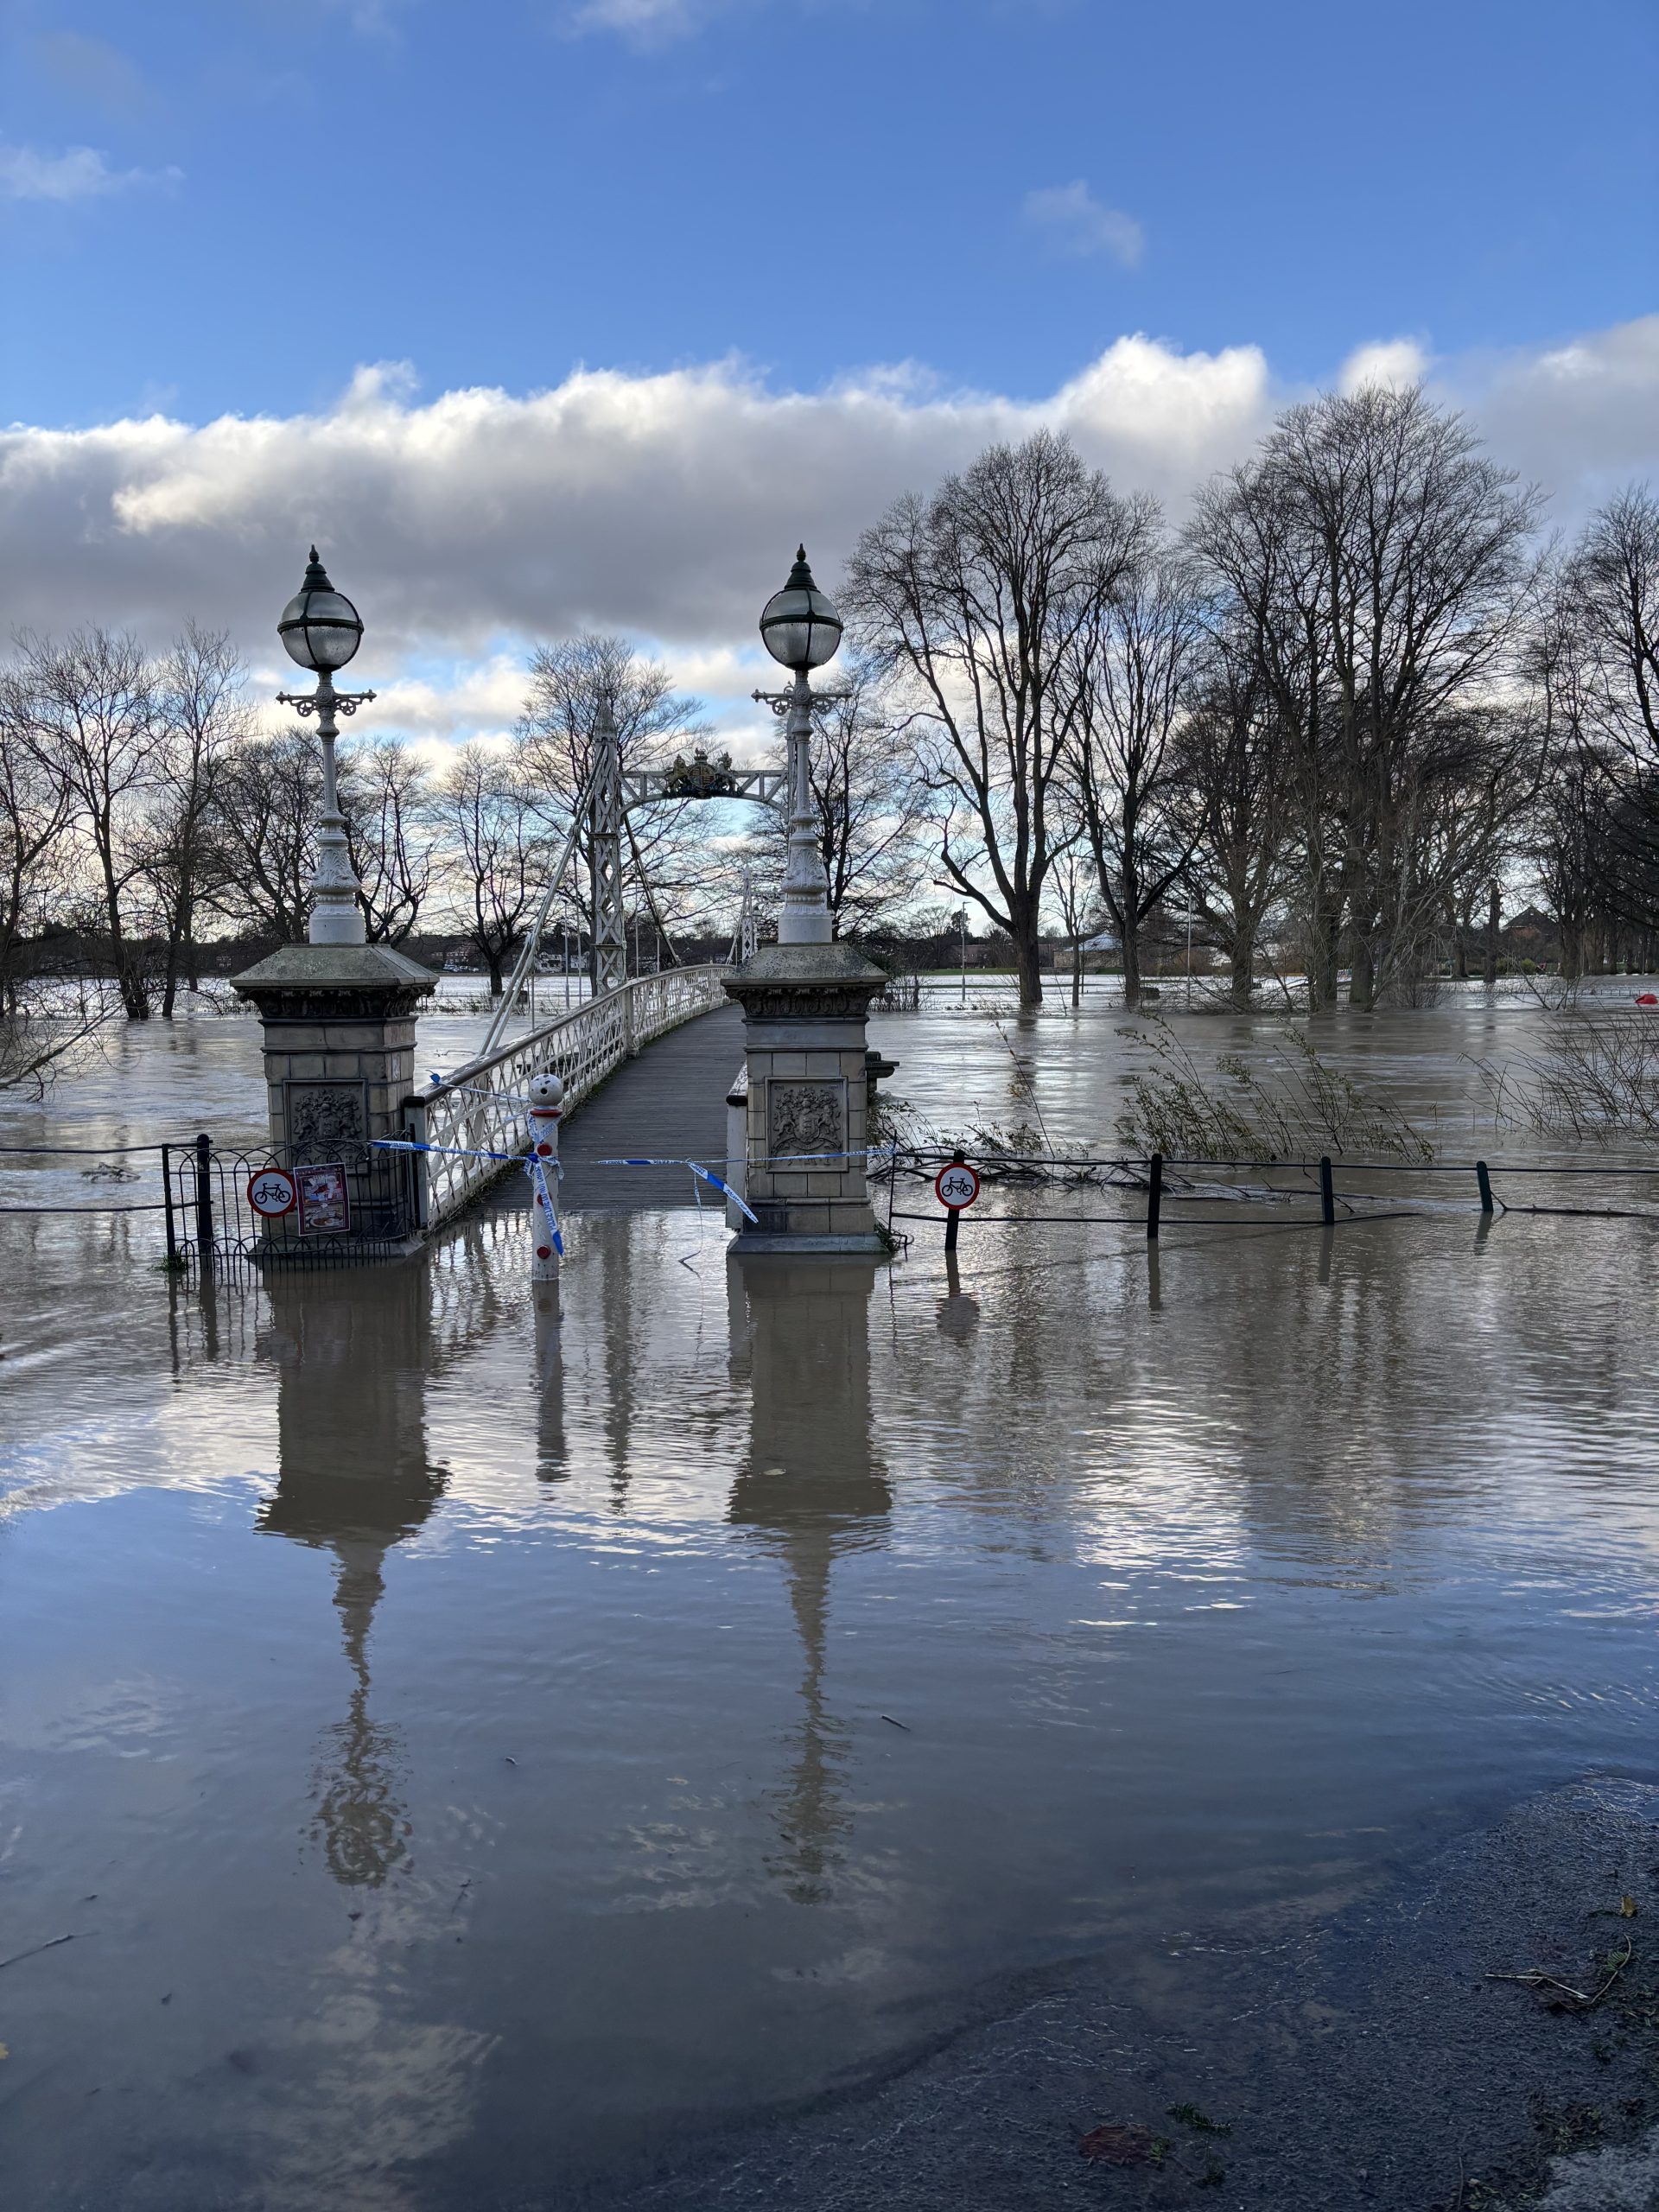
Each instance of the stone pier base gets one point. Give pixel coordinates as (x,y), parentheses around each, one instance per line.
(339,1043)
(805,1008)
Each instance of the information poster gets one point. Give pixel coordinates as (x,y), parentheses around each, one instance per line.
(325,1204)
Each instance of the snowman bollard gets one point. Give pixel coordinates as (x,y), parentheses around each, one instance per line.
(546,1099)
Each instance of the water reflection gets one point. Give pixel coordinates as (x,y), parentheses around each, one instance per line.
(551,1462)
(352,1361)
(810,1483)
(958,1315)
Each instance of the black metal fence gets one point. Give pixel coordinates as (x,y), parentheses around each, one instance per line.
(265,1208)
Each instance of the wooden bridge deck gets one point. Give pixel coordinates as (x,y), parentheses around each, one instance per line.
(670,1103)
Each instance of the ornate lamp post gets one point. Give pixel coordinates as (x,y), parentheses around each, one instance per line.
(805,999)
(800,627)
(320,629)
(339,1013)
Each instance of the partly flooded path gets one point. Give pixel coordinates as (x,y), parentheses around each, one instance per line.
(474,1749)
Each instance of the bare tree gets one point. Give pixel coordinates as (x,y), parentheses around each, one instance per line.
(1230,800)
(203,719)
(1598,652)
(42,1017)
(1263,571)
(269,796)
(91,709)
(35,809)
(871,804)
(1423,582)
(495,852)
(973,599)
(1135,657)
(665,857)
(1385,565)
(386,797)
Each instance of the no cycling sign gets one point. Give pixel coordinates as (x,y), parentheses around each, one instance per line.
(957,1186)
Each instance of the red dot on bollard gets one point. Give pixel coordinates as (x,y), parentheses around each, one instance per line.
(546,1150)
(543,1251)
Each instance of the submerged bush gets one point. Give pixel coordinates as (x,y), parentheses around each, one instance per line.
(1253,1110)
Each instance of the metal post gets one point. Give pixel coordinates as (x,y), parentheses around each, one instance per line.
(419,1167)
(953,1216)
(1485,1183)
(1154,1195)
(167,1195)
(546,1101)
(204,1205)
(1327,1192)
(804,916)
(336,918)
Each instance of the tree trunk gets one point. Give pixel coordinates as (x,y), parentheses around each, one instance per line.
(1076,972)
(492,961)
(1323,930)
(1131,969)
(1026,956)
(1362,989)
(134,997)
(1244,974)
(1494,908)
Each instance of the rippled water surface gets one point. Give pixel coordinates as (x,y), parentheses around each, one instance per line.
(473,1746)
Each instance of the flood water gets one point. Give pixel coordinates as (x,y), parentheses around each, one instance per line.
(474,1748)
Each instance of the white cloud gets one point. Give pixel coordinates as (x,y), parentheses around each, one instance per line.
(641,22)
(82,173)
(1580,419)
(1394,363)
(1078,226)
(666,507)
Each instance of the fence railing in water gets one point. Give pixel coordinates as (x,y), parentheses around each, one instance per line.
(480,1109)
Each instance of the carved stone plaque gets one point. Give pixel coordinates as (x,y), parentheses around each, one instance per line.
(326,1120)
(806,1117)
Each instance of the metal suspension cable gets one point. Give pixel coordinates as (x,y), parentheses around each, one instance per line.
(650,896)
(531,944)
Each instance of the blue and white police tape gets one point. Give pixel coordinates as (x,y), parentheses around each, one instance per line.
(536,1169)
(777,1159)
(717,1182)
(453,1151)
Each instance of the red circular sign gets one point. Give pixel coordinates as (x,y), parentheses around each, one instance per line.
(271,1192)
(957,1186)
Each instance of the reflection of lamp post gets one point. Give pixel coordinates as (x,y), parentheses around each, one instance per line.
(320,629)
(800,627)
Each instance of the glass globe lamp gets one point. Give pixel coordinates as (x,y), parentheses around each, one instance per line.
(320,629)
(799,626)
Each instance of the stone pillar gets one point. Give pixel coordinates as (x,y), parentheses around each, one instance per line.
(339,1044)
(805,1012)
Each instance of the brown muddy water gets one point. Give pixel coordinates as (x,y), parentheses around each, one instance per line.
(475,1748)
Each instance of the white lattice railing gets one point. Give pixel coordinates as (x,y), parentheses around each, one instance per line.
(481,1108)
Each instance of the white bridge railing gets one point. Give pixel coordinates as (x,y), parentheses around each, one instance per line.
(481,1108)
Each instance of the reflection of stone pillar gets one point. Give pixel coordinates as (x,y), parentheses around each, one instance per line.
(352,1352)
(805,1008)
(339,1043)
(810,1484)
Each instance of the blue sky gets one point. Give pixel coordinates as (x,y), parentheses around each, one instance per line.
(565,312)
(497,192)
